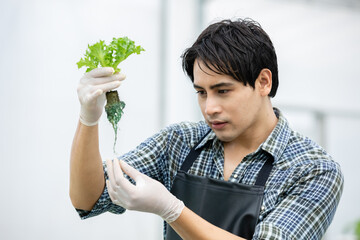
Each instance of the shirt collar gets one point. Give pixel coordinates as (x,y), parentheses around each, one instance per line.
(278,139)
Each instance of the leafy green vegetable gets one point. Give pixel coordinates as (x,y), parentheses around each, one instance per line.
(102,55)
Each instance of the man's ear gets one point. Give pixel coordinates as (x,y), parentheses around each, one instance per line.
(264,82)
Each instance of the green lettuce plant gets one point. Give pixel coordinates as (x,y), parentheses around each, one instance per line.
(111,55)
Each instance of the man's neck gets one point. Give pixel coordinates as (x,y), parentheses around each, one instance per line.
(256,135)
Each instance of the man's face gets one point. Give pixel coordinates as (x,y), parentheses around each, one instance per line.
(229,107)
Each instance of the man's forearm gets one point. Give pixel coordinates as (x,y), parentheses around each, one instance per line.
(189,225)
(86,171)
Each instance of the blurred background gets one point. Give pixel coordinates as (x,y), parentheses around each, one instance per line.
(317,43)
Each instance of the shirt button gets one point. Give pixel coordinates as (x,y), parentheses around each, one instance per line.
(262,208)
(235,176)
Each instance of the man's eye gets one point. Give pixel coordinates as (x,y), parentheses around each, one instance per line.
(201,93)
(223,91)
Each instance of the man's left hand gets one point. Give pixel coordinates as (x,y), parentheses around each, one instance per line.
(148,195)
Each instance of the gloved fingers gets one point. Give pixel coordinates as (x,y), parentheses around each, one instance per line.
(118,173)
(112,78)
(108,86)
(100,72)
(113,196)
(132,172)
(92,96)
(87,84)
(111,192)
(91,93)
(110,183)
(116,176)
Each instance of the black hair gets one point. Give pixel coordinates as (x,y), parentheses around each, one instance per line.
(239,48)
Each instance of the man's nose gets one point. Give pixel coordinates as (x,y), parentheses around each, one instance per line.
(212,106)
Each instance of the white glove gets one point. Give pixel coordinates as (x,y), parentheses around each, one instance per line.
(91,92)
(148,195)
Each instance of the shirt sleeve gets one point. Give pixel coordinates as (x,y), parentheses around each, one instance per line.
(149,158)
(307,209)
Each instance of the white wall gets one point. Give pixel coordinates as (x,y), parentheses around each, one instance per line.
(42,40)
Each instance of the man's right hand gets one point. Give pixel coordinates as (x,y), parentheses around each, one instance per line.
(91,92)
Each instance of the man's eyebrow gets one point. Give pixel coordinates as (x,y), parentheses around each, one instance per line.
(222,84)
(196,86)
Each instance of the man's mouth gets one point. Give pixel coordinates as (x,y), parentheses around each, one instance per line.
(216,125)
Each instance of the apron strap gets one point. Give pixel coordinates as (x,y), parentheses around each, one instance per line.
(265,170)
(194,153)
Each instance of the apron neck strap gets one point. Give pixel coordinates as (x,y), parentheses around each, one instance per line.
(265,170)
(194,153)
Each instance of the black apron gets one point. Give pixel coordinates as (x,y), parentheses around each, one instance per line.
(234,207)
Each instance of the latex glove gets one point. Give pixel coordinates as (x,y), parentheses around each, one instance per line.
(91,92)
(148,195)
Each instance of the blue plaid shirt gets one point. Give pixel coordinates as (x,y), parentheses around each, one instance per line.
(301,194)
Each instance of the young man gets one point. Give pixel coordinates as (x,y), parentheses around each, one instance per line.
(240,173)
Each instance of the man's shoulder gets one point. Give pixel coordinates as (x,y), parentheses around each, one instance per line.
(302,146)
(296,149)
(301,151)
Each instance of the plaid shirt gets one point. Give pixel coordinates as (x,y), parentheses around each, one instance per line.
(301,194)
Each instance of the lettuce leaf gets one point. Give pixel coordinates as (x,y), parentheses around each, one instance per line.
(102,55)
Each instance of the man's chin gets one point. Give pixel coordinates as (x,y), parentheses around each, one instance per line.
(224,137)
